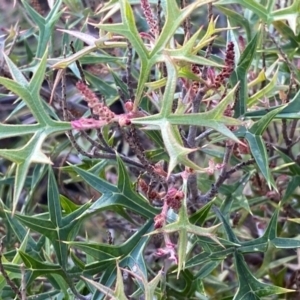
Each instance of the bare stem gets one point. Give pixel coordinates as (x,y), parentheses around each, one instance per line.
(128,71)
(23,282)
(6,277)
(222,177)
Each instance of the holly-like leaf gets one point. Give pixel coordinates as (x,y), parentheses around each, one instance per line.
(32,151)
(240,75)
(46,25)
(163,120)
(117,294)
(289,111)
(249,286)
(56,228)
(122,195)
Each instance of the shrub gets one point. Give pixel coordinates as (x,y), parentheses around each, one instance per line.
(149,150)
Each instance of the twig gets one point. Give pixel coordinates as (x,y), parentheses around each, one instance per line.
(204,134)
(187,22)
(286,137)
(292,130)
(239,166)
(195,109)
(23,282)
(210,44)
(223,173)
(135,145)
(114,157)
(128,71)
(271,141)
(97,145)
(159,21)
(95,154)
(222,177)
(285,134)
(5,275)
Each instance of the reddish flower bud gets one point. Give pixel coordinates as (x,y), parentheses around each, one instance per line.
(174,198)
(128,106)
(149,16)
(124,121)
(159,221)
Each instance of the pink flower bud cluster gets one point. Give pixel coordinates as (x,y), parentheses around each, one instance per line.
(212,167)
(159,220)
(170,250)
(228,68)
(149,17)
(174,198)
(98,108)
(216,81)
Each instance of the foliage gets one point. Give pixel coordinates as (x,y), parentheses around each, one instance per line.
(149,151)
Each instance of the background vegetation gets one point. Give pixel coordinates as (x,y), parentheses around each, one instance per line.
(149,149)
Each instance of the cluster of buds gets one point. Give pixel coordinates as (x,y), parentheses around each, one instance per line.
(128,106)
(105,115)
(212,167)
(159,220)
(195,87)
(174,198)
(228,112)
(151,194)
(217,81)
(239,149)
(99,109)
(170,251)
(258,185)
(149,17)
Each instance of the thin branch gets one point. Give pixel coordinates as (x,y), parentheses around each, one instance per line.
(210,44)
(187,22)
(135,145)
(159,21)
(285,133)
(240,166)
(286,137)
(222,177)
(6,277)
(23,282)
(293,129)
(128,72)
(97,145)
(195,109)
(204,134)
(96,154)
(227,155)
(191,140)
